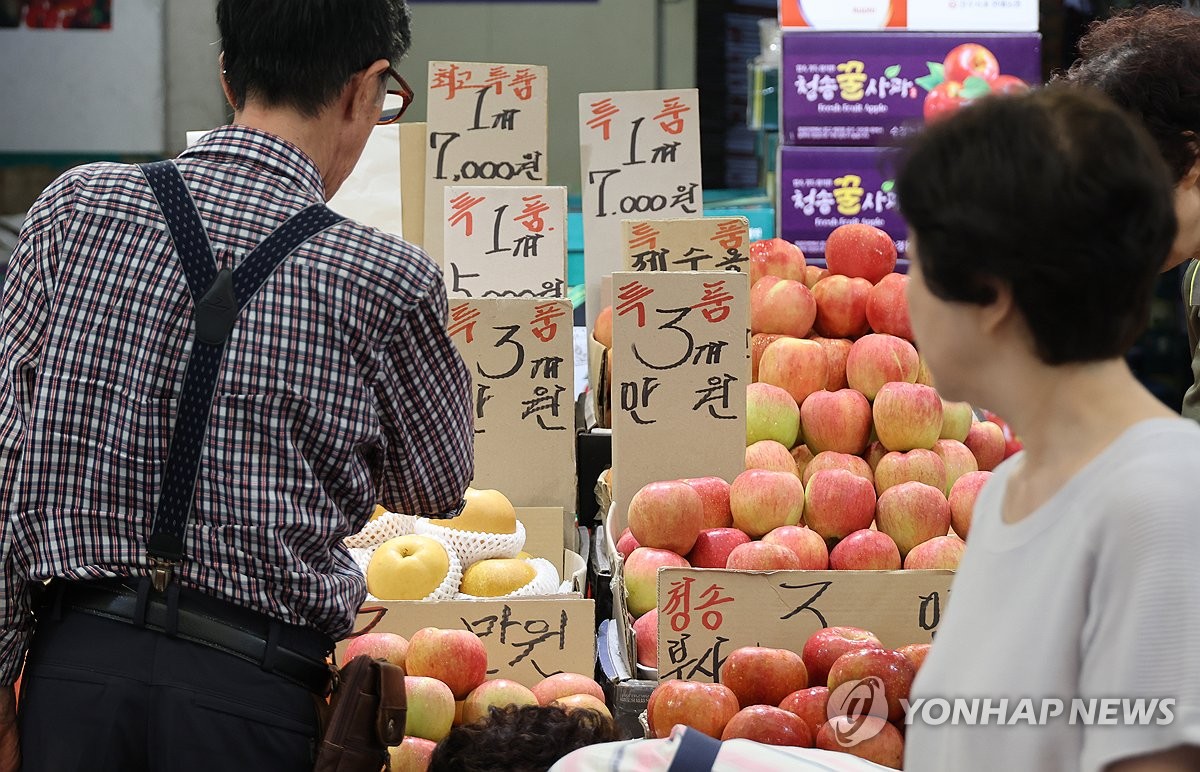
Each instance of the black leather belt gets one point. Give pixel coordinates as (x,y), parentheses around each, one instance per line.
(293,652)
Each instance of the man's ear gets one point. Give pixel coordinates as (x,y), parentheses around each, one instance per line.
(1192,176)
(364,92)
(995,314)
(225,83)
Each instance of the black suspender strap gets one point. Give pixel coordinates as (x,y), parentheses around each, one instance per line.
(217,297)
(697,752)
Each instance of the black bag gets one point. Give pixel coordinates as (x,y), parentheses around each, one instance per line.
(365,715)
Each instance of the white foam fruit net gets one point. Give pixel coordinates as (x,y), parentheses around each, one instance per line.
(544,582)
(445,591)
(473,546)
(387,526)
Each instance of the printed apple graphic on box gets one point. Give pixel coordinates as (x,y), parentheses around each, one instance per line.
(969,72)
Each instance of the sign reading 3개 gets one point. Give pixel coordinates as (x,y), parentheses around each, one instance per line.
(694,244)
(486,126)
(519,352)
(639,157)
(505,241)
(681,364)
(704,614)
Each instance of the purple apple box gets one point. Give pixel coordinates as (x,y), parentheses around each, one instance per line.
(821,188)
(869,88)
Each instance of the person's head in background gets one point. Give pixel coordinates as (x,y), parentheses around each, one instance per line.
(1145,60)
(1038,224)
(314,72)
(521,739)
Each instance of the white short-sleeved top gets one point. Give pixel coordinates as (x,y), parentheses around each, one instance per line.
(1095,595)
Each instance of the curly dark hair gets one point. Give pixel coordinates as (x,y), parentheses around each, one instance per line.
(529,738)
(1146,60)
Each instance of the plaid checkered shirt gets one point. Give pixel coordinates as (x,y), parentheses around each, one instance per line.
(340,388)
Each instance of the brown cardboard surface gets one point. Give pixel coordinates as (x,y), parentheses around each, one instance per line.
(692,244)
(706,613)
(544,533)
(520,353)
(681,365)
(412,181)
(505,241)
(639,157)
(487,125)
(526,639)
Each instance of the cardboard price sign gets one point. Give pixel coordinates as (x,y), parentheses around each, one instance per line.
(639,157)
(486,126)
(681,363)
(520,354)
(505,241)
(694,244)
(703,614)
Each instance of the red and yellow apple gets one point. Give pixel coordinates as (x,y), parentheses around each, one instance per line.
(907,416)
(782,307)
(942,552)
(877,359)
(838,503)
(811,705)
(411,755)
(798,366)
(830,459)
(776,257)
(912,513)
(957,418)
(389,646)
(430,708)
(826,645)
(704,707)
(762,500)
(497,693)
(836,351)
(836,420)
(914,466)
(841,306)
(962,500)
(769,454)
(891,667)
(769,725)
(558,685)
(666,515)
(865,550)
(860,250)
(986,441)
(805,543)
(714,495)
(762,556)
(582,702)
(887,307)
(713,546)
(771,414)
(958,460)
(645,630)
(884,744)
(641,577)
(457,658)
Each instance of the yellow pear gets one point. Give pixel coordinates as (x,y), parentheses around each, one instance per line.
(407,568)
(495,577)
(523,555)
(379,511)
(487,511)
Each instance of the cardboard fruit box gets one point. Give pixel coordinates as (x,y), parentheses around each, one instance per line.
(872,88)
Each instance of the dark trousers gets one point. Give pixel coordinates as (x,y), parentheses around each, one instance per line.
(106,696)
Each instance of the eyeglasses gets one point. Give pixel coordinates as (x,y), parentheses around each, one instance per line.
(396,100)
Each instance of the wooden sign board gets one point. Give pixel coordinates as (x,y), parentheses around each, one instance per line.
(526,639)
(505,241)
(703,614)
(412,181)
(487,125)
(544,536)
(519,352)
(639,157)
(693,244)
(681,364)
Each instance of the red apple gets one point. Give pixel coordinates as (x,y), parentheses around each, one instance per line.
(776,257)
(813,274)
(626,544)
(558,685)
(806,543)
(912,513)
(838,503)
(986,441)
(771,414)
(762,500)
(916,653)
(763,676)
(860,251)
(430,708)
(865,550)
(1009,84)
(962,500)
(641,577)
(497,693)
(769,454)
(958,460)
(883,745)
(914,466)
(877,359)
(713,546)
(924,374)
(942,100)
(411,755)
(803,457)
(706,708)
(769,725)
(887,307)
(836,351)
(841,306)
(573,702)
(762,556)
(907,416)
(714,495)
(645,631)
(811,705)
(971,60)
(875,452)
(891,667)
(758,344)
(942,552)
(826,645)
(666,515)
(836,420)
(781,306)
(455,657)
(956,420)
(389,646)
(797,366)
(602,329)
(830,459)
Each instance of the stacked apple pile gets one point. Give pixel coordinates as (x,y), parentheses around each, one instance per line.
(779,697)
(447,685)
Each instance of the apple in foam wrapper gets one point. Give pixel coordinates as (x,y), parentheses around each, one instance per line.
(457,658)
(641,577)
(907,416)
(912,513)
(666,515)
(877,359)
(865,550)
(762,500)
(782,307)
(841,306)
(860,250)
(836,420)
(798,366)
(496,577)
(914,466)
(771,414)
(838,503)
(776,257)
